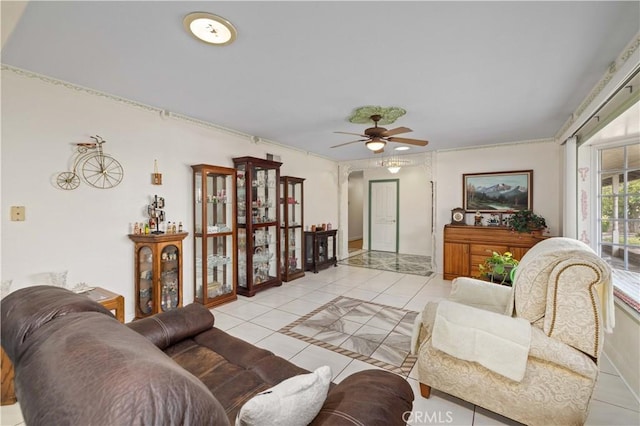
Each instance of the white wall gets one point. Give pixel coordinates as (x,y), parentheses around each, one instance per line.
(85,230)
(541,157)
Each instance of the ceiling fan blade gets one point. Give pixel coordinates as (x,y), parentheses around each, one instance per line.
(396,131)
(409,141)
(349,133)
(348,143)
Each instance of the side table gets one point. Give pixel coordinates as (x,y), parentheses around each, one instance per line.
(108,299)
(112,301)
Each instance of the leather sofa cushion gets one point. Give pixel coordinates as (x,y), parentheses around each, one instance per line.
(232,369)
(167,328)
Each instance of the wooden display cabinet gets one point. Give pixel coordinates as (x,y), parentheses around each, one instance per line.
(291,240)
(320,249)
(158,272)
(258,224)
(466,247)
(214,218)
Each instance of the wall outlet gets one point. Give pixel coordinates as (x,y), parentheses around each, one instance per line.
(17,213)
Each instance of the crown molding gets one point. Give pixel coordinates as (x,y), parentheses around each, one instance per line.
(162,113)
(612,71)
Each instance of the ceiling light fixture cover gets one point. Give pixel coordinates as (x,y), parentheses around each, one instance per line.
(363,114)
(375,145)
(210,28)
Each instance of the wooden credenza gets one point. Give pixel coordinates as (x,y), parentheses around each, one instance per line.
(465,247)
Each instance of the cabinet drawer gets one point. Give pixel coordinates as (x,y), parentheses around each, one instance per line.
(486,250)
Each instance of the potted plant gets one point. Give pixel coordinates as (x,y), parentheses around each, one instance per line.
(526,221)
(499,267)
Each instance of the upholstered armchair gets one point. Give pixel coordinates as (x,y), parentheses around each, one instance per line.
(528,352)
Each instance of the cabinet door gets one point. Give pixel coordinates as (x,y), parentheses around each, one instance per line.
(169,277)
(480,253)
(456,259)
(145,280)
(518,252)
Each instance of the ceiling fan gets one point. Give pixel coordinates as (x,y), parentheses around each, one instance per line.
(377,137)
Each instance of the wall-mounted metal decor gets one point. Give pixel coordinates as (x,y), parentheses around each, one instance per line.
(98,169)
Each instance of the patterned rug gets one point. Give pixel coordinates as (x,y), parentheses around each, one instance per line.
(377,334)
(395,262)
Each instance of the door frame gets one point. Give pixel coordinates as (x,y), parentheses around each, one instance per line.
(397,182)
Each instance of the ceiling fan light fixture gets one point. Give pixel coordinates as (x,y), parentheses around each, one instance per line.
(210,28)
(375,145)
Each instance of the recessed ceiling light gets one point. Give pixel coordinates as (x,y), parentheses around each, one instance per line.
(402,148)
(210,28)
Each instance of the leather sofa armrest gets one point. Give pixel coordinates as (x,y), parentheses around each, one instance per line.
(170,327)
(369,397)
(28,309)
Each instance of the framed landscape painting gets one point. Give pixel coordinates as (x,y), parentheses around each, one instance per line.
(498,192)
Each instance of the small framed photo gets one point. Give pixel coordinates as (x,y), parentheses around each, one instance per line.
(498,191)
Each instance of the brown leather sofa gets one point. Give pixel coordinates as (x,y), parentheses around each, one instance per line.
(75,364)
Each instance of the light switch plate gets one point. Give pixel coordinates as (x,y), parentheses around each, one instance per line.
(17,213)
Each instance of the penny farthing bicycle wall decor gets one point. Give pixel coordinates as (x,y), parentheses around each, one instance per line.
(97,169)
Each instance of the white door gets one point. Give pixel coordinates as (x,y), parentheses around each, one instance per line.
(383,215)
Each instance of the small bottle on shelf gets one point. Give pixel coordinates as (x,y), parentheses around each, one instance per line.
(180,227)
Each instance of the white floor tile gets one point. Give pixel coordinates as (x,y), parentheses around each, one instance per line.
(225,321)
(273,300)
(313,357)
(248,311)
(275,319)
(358,293)
(483,417)
(439,408)
(284,346)
(391,300)
(318,296)
(10,415)
(611,389)
(353,367)
(300,307)
(250,332)
(603,414)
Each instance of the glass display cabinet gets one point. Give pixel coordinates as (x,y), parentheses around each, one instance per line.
(291,228)
(320,250)
(214,218)
(257,195)
(158,272)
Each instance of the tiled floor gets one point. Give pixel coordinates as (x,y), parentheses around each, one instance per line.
(257,320)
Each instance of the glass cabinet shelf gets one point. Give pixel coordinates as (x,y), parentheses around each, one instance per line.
(214,219)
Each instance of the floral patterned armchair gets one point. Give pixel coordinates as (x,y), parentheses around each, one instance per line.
(557,311)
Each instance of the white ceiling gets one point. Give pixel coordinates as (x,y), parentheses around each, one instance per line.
(468,73)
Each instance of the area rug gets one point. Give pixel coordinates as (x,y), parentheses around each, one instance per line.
(395,262)
(377,334)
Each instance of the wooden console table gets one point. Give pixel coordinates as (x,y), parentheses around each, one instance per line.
(108,299)
(465,247)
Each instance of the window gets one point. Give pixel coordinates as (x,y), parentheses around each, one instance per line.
(619,217)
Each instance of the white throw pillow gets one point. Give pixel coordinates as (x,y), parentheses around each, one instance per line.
(293,402)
